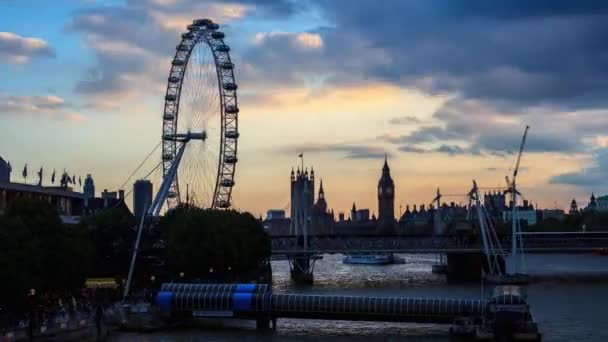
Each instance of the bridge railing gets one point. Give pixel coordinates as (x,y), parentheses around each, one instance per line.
(338,244)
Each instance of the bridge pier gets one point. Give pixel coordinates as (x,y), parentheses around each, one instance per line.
(302,268)
(467,266)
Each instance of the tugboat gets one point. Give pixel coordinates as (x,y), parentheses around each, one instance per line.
(368,259)
(509,315)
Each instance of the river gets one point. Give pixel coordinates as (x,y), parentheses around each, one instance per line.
(570,301)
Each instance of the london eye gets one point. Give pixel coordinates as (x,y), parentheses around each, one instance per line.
(200,120)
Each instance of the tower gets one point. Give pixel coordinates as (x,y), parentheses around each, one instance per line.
(321,203)
(386,196)
(302,201)
(142,198)
(573,207)
(88,189)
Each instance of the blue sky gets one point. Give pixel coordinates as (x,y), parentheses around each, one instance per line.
(444,88)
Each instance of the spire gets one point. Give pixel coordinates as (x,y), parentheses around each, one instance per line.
(385,168)
(321,192)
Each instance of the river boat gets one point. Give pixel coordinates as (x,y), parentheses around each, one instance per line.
(368,259)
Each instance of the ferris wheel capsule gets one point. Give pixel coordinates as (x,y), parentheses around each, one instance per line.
(231,109)
(217,35)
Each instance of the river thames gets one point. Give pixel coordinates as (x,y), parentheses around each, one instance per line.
(569,301)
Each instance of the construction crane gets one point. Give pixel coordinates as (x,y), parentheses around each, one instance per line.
(515,225)
(511,184)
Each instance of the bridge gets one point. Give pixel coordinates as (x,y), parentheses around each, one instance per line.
(533,243)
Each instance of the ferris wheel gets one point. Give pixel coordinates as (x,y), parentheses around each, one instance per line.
(200,121)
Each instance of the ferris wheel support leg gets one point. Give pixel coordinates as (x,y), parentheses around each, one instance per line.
(161,195)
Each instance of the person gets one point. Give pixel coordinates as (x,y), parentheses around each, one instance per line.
(98,320)
(33,304)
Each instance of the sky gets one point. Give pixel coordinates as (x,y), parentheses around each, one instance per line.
(444,89)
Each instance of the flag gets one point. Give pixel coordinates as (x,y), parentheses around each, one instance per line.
(53,177)
(40,176)
(301,155)
(24,173)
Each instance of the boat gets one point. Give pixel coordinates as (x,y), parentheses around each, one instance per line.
(510,316)
(508,279)
(368,259)
(439,269)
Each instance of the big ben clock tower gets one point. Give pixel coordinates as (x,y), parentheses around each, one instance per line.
(386,196)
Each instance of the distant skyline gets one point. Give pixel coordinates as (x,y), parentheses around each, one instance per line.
(444,88)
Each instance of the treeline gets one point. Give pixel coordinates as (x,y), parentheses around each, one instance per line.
(37,251)
(575,222)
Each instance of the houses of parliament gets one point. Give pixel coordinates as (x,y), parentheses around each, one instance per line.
(315,217)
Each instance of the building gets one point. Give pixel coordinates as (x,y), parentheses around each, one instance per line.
(553,214)
(495,203)
(592,206)
(142,198)
(68,203)
(526,213)
(602,203)
(276,223)
(302,201)
(275,214)
(359,223)
(386,197)
(5,171)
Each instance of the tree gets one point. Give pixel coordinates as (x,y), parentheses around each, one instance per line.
(224,241)
(112,237)
(40,251)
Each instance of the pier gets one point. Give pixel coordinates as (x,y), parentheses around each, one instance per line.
(257,302)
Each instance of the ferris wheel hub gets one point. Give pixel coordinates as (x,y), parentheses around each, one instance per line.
(185,137)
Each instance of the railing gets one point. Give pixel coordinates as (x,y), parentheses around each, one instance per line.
(429,244)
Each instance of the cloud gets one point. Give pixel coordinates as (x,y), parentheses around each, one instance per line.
(591,177)
(350,151)
(50,106)
(474,127)
(405,120)
(451,150)
(132,40)
(499,52)
(16,49)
